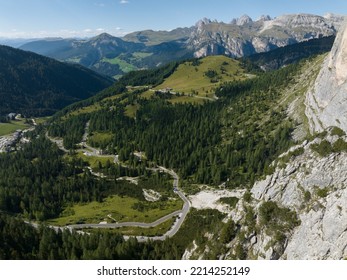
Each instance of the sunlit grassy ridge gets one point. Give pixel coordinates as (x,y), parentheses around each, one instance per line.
(193,77)
(195,81)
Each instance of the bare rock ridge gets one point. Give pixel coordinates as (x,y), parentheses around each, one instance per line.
(245,19)
(326,101)
(315,188)
(243,36)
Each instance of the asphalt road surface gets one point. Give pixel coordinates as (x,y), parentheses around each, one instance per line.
(180,214)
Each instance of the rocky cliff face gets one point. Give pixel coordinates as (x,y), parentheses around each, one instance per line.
(315,188)
(243,36)
(311,178)
(326,101)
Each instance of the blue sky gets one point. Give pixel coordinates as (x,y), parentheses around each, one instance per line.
(85,18)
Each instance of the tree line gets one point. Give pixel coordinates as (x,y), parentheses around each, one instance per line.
(233,139)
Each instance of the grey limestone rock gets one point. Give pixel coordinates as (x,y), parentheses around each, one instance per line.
(326,101)
(244,37)
(322,233)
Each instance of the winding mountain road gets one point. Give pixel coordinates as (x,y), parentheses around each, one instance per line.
(180,214)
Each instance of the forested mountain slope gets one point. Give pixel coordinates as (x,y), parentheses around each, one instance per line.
(127,130)
(36,86)
(110,55)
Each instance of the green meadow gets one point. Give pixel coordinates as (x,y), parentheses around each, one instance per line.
(116,208)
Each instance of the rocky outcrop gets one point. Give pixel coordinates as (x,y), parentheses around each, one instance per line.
(244,37)
(316,188)
(326,100)
(245,19)
(303,26)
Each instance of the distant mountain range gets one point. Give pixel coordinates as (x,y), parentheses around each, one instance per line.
(244,37)
(110,55)
(146,49)
(15,42)
(34,85)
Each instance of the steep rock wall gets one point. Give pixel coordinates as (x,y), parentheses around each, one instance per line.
(326,101)
(315,187)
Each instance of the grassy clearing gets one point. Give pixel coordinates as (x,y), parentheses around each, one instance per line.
(147,94)
(136,231)
(9,128)
(120,208)
(114,97)
(86,110)
(124,66)
(130,110)
(100,138)
(192,78)
(187,99)
(94,161)
(42,120)
(117,77)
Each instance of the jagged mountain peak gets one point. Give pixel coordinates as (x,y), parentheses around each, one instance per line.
(244,37)
(244,19)
(264,18)
(202,22)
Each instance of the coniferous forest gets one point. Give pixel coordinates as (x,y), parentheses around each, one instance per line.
(231,140)
(34,85)
(194,139)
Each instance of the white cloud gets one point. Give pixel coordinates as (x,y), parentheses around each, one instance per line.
(64,33)
(124,2)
